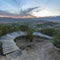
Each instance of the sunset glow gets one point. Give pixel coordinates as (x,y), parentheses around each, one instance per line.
(43,13)
(16,16)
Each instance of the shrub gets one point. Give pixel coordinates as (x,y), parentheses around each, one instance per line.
(56,39)
(1,30)
(1,52)
(24,27)
(48,31)
(29,35)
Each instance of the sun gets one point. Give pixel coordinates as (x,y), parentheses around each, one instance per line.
(42,13)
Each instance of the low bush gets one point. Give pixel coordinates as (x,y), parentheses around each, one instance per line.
(47,31)
(56,39)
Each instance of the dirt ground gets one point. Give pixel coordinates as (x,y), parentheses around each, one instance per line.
(43,50)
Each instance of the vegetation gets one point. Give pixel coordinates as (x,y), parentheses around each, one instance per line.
(29,30)
(1,30)
(24,27)
(4,29)
(39,25)
(29,35)
(56,39)
(48,31)
(1,52)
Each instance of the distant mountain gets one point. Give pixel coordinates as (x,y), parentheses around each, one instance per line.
(14,20)
(54,18)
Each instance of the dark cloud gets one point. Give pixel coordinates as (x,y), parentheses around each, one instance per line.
(22,12)
(27,11)
(6,13)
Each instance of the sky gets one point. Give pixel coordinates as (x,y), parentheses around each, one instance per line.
(31,7)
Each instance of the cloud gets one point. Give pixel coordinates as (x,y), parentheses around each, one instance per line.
(27,11)
(32,12)
(22,13)
(7,13)
(40,12)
